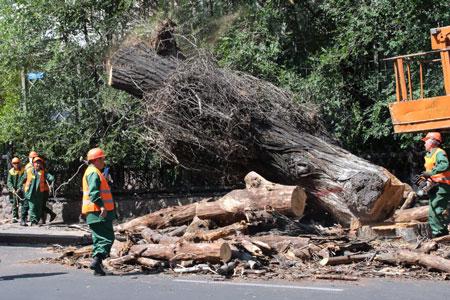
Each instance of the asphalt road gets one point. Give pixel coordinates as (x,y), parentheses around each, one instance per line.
(20,279)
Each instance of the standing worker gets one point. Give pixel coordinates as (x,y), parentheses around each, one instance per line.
(29,165)
(437,171)
(15,188)
(35,188)
(98,206)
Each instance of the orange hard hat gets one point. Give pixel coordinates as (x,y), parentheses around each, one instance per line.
(33,154)
(433,135)
(95,153)
(15,160)
(37,158)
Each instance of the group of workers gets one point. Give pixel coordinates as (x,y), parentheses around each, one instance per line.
(29,190)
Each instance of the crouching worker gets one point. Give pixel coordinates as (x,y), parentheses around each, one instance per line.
(98,206)
(36,189)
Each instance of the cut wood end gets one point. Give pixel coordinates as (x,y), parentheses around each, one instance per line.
(109,71)
(298,201)
(225,252)
(324,261)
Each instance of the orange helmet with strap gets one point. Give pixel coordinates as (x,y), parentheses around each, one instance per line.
(95,153)
(433,135)
(37,158)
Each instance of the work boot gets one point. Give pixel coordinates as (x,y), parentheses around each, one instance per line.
(23,223)
(96,265)
(52,216)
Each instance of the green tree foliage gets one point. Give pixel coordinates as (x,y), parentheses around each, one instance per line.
(328,52)
(70,109)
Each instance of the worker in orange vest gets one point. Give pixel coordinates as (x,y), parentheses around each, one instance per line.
(98,206)
(35,188)
(437,170)
(32,155)
(15,188)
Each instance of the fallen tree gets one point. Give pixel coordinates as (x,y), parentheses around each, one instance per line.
(211,119)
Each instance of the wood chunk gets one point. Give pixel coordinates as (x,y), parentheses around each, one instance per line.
(215,234)
(149,263)
(411,214)
(413,258)
(201,252)
(345,259)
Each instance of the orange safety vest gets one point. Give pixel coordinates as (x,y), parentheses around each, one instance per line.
(28,166)
(105,193)
(31,174)
(430,162)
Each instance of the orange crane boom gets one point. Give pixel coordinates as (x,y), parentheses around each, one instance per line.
(422,114)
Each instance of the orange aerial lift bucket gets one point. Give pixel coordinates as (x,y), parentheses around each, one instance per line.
(423,114)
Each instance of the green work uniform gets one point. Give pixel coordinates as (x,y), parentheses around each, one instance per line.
(439,197)
(35,197)
(15,189)
(102,228)
(45,209)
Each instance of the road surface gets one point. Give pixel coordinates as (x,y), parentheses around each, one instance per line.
(20,279)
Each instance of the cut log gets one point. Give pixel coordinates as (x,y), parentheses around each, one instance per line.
(239,123)
(345,259)
(115,262)
(215,234)
(287,200)
(413,258)
(411,214)
(201,252)
(149,263)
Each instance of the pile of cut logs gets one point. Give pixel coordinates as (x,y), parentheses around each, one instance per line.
(255,232)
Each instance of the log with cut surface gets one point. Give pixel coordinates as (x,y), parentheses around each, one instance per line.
(288,200)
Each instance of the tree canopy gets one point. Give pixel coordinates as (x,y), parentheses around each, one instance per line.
(326,52)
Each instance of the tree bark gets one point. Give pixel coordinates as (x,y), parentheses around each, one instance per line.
(341,183)
(215,234)
(201,252)
(137,69)
(413,258)
(411,214)
(288,200)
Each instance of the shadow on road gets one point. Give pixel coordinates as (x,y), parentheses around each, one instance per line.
(30,275)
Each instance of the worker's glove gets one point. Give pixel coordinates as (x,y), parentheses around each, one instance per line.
(418,179)
(426,175)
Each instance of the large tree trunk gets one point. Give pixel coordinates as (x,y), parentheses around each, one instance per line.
(288,200)
(265,130)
